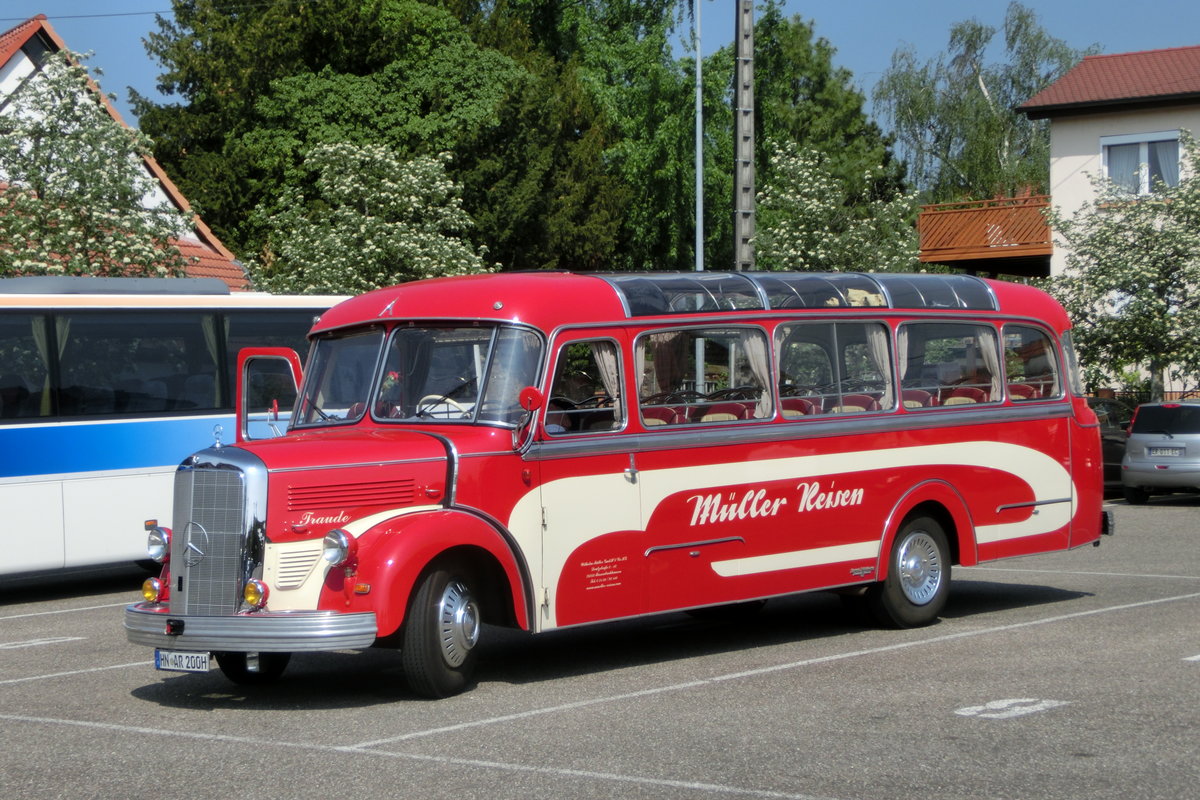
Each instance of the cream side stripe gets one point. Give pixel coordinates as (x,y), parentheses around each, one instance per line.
(797,558)
(592,501)
(363,524)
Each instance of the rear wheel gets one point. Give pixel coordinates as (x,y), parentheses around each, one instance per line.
(918,580)
(253,669)
(1135,496)
(441,634)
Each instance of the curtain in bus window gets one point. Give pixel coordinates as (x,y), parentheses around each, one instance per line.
(991,359)
(24,373)
(659,363)
(41,336)
(754,343)
(877,346)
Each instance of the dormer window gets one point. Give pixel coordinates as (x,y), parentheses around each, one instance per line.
(1139,162)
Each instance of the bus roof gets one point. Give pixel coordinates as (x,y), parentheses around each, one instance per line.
(548,300)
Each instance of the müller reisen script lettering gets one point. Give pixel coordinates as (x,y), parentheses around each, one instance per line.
(755,504)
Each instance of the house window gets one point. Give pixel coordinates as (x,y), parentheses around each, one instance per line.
(1137,163)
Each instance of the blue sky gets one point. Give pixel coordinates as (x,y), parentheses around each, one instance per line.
(864,32)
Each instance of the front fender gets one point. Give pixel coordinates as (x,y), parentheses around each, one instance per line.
(393,553)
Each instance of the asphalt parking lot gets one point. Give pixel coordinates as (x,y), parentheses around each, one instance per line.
(1074,675)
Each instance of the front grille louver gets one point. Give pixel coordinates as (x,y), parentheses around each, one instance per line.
(347,495)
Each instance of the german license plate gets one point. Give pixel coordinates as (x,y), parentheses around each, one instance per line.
(1166,451)
(180,661)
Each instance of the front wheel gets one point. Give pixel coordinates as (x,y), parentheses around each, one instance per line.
(918,580)
(438,649)
(253,669)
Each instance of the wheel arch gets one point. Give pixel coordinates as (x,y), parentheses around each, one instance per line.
(395,554)
(941,502)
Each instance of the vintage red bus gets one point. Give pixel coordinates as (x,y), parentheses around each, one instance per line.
(549,449)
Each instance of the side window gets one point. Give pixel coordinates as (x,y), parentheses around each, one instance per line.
(703,375)
(586,392)
(834,368)
(949,364)
(1030,364)
(135,363)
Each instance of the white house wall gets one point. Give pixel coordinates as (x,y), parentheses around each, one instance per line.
(1076,156)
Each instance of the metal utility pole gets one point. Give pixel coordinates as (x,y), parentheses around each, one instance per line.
(743,138)
(699,142)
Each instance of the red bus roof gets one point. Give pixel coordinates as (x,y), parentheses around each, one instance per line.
(548,300)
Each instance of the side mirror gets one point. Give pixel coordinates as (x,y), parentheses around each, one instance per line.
(530,399)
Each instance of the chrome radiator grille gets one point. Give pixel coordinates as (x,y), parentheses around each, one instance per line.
(208,541)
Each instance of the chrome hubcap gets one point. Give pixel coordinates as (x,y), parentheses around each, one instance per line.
(458,623)
(920,568)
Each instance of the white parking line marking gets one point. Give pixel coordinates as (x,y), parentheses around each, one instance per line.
(36,642)
(74,672)
(1192,658)
(259,743)
(63,611)
(1012,707)
(775,668)
(1080,572)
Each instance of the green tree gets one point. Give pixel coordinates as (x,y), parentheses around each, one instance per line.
(79,199)
(807,223)
(801,97)
(955,117)
(1133,266)
(373,220)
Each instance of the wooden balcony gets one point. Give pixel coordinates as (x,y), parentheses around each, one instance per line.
(1009,236)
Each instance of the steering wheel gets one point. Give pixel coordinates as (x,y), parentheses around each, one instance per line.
(434,399)
(595,401)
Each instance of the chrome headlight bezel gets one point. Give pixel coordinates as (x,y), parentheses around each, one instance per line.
(338,547)
(158,544)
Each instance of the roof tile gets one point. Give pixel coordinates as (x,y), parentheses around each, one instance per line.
(1122,78)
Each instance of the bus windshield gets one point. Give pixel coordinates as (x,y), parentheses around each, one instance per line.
(420,374)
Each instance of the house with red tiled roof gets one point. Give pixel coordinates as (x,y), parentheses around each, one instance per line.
(22,50)
(1119,116)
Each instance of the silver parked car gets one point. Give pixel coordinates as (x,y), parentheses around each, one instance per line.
(1162,453)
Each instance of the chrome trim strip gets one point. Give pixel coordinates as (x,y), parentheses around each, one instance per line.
(685,545)
(798,431)
(323,467)
(1011,506)
(265,632)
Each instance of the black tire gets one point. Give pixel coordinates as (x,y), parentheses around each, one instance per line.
(1135,496)
(253,669)
(918,580)
(441,634)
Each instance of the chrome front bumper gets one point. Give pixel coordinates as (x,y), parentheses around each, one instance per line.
(263,632)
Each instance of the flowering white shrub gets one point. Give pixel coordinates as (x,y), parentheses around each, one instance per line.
(76,197)
(1132,280)
(807,222)
(371,220)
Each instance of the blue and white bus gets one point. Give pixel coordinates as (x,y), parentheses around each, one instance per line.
(106,384)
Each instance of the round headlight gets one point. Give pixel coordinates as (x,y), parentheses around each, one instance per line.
(339,547)
(152,590)
(158,544)
(255,593)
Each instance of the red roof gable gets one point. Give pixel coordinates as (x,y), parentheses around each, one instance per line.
(215,261)
(1147,77)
